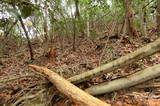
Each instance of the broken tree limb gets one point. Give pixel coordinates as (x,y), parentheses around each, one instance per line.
(118,63)
(131,80)
(28,97)
(80,97)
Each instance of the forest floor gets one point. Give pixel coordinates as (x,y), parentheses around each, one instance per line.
(17,79)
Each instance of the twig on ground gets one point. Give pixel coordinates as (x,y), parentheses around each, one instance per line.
(28,97)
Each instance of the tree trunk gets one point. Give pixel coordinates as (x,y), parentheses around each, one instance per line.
(74,35)
(120,62)
(26,34)
(74,32)
(142,15)
(28,39)
(77,16)
(88,26)
(129,17)
(123,29)
(131,80)
(78,96)
(45,29)
(158,17)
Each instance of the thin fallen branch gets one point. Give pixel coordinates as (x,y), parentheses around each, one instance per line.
(78,96)
(28,97)
(16,77)
(131,80)
(118,63)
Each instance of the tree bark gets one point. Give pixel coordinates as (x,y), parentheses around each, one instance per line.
(74,32)
(120,62)
(126,82)
(88,26)
(158,17)
(77,14)
(129,17)
(78,96)
(142,15)
(28,39)
(45,27)
(27,36)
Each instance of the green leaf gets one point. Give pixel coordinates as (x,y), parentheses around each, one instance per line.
(29,10)
(13,13)
(26,11)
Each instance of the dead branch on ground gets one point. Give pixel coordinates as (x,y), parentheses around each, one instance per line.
(71,91)
(118,63)
(131,80)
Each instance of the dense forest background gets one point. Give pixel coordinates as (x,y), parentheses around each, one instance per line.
(72,37)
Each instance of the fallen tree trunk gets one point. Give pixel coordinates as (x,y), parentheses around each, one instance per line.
(126,82)
(120,62)
(80,97)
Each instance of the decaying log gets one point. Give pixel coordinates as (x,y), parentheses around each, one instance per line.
(118,63)
(131,80)
(78,96)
